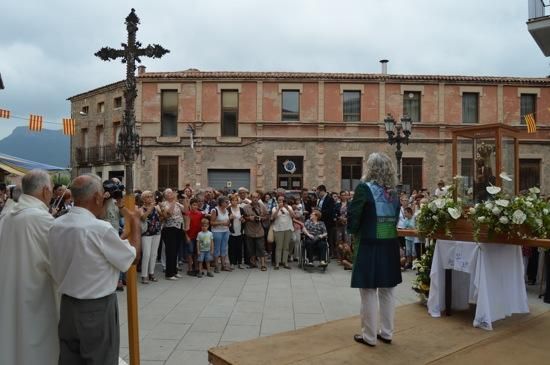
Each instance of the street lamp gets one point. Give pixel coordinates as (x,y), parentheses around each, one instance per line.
(393,130)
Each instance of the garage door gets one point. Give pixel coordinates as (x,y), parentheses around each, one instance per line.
(232,179)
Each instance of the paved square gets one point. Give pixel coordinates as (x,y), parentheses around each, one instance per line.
(180,320)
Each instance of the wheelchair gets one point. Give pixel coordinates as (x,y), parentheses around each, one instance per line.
(308,266)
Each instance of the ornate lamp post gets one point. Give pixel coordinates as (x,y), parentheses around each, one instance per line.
(398,133)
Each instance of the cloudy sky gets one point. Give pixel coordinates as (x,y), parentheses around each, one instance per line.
(47,47)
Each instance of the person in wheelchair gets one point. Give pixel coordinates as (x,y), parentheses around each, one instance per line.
(315,239)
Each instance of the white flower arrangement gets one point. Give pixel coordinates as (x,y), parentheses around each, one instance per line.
(438,214)
(524,216)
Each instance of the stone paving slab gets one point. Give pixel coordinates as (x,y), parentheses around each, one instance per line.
(180,320)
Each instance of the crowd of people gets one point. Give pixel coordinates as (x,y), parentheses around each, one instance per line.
(242,229)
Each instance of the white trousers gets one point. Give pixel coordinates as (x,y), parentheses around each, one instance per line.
(375,302)
(149,248)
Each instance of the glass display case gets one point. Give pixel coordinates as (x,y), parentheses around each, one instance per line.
(485,155)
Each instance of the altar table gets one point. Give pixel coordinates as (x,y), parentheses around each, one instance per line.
(490,275)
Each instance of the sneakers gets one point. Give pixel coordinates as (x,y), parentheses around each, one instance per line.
(217,270)
(209,274)
(241,266)
(322,263)
(178,276)
(172,278)
(199,274)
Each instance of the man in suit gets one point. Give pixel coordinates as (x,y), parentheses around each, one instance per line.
(326,204)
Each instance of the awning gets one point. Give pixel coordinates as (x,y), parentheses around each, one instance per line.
(19,166)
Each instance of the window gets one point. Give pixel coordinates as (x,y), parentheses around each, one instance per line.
(118,102)
(411,174)
(169,113)
(528,105)
(84,137)
(167,172)
(85,110)
(291,105)
(470,108)
(352,170)
(529,173)
(230,113)
(352,106)
(411,105)
(290,172)
(116,132)
(467,171)
(101,107)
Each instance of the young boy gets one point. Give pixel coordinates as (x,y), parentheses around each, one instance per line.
(410,251)
(205,248)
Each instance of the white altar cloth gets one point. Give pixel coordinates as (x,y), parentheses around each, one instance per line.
(490,275)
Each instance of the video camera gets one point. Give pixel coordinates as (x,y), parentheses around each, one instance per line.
(114,189)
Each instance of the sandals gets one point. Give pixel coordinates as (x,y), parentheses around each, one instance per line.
(264,268)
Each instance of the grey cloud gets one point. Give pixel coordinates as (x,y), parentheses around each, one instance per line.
(47,47)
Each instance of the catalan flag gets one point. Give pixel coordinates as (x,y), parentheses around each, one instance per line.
(69,126)
(35,123)
(4,113)
(530,121)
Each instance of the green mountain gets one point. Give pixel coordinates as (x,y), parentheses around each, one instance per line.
(51,147)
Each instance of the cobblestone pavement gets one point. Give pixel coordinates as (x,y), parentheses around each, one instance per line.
(180,320)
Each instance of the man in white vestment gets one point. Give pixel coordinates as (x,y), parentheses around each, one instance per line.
(28,306)
(87,255)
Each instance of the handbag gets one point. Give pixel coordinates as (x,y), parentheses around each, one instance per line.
(144,227)
(270,235)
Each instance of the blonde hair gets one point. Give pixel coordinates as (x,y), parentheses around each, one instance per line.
(146,193)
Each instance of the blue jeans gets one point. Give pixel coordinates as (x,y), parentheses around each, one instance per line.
(409,248)
(221,240)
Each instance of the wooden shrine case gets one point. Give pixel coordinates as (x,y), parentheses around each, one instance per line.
(485,155)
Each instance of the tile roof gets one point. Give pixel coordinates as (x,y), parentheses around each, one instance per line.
(194,74)
(334,76)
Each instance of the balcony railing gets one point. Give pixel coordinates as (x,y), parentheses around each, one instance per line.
(537,8)
(97,155)
(539,24)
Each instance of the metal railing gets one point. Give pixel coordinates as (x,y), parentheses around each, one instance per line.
(537,8)
(97,155)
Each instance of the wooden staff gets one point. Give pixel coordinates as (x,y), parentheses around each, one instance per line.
(132,229)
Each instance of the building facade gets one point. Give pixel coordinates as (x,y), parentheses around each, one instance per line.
(293,130)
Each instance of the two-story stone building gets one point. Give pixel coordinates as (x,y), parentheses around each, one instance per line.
(292,130)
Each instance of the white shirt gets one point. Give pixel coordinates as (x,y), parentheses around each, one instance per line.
(283,221)
(29,308)
(87,255)
(237,225)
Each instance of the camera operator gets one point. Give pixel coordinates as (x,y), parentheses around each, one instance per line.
(114,210)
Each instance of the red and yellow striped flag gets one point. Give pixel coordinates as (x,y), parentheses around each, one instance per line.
(69,126)
(4,113)
(35,123)
(530,121)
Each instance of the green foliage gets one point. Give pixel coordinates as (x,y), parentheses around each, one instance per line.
(423,265)
(61,178)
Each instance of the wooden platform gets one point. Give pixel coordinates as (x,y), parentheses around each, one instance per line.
(419,339)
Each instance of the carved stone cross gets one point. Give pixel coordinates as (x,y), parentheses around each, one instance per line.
(129,143)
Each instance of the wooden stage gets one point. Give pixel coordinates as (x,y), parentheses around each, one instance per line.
(419,339)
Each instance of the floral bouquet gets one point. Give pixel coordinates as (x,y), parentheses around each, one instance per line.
(438,215)
(524,216)
(423,266)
